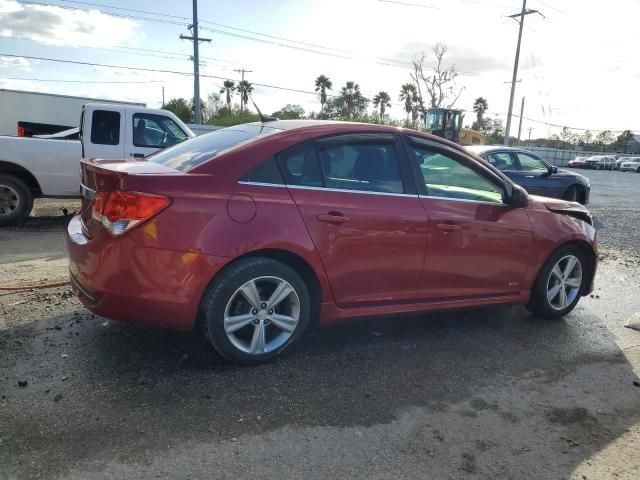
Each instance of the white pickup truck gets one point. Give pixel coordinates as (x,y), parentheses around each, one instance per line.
(50,167)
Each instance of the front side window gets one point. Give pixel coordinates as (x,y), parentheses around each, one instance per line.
(501,160)
(445,177)
(531,164)
(156,131)
(105,127)
(371,167)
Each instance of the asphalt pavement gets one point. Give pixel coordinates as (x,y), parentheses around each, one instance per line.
(489,393)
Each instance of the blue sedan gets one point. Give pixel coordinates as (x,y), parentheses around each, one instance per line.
(534,174)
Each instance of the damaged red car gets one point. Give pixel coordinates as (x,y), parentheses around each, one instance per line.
(253,233)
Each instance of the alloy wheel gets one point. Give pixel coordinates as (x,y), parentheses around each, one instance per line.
(262,315)
(9,200)
(563,284)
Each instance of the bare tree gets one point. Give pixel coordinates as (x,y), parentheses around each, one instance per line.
(440,83)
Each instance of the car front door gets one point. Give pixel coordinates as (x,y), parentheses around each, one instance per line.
(477,245)
(537,177)
(359,203)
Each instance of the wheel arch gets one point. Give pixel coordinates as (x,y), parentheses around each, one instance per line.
(286,257)
(23,174)
(586,248)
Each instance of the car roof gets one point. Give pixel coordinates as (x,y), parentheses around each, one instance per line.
(481,149)
(316,128)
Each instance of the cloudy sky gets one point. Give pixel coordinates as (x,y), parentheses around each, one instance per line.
(578,67)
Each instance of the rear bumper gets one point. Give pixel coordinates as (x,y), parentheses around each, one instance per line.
(119,279)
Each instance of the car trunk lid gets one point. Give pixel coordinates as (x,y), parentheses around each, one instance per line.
(105,179)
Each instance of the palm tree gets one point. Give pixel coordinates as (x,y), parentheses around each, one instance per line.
(244,89)
(228,89)
(322,85)
(350,92)
(382,100)
(480,106)
(408,94)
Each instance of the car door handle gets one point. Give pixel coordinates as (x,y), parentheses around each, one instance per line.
(528,176)
(448,227)
(333,217)
(137,155)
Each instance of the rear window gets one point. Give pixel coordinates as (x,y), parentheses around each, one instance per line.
(190,154)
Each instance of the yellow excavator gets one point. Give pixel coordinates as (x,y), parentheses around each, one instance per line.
(447,123)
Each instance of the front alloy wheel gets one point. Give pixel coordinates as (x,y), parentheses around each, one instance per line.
(563,284)
(560,282)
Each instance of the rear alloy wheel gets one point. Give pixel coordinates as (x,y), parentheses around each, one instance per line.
(559,284)
(255,310)
(16,200)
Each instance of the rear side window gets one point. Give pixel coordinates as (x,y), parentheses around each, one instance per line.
(188,155)
(371,167)
(300,166)
(265,172)
(105,127)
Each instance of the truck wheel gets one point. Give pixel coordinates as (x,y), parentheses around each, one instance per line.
(16,200)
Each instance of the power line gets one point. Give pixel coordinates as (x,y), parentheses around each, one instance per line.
(153,70)
(345,54)
(79,81)
(409,4)
(135,51)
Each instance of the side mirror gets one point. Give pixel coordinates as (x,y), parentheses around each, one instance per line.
(518,197)
(554,169)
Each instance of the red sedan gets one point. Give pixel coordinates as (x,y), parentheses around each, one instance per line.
(254,232)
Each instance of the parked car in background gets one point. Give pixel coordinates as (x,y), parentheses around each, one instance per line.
(577,162)
(254,232)
(621,160)
(534,174)
(600,162)
(631,166)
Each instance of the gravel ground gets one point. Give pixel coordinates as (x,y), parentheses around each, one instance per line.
(487,393)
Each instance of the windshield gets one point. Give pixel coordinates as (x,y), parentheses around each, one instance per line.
(190,154)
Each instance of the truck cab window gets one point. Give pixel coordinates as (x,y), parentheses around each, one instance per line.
(156,131)
(105,127)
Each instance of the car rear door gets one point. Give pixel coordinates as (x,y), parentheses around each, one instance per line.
(477,246)
(360,206)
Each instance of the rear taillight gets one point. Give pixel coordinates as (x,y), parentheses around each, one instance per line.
(20,131)
(121,211)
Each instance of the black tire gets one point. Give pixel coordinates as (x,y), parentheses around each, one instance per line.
(571,194)
(539,304)
(16,200)
(224,288)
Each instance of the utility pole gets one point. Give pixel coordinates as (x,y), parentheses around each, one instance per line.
(242,71)
(524,12)
(162,96)
(520,124)
(529,141)
(196,62)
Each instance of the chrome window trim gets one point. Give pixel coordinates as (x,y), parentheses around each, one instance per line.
(501,204)
(262,184)
(323,189)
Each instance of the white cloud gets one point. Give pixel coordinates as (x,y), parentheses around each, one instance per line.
(58,26)
(17,62)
